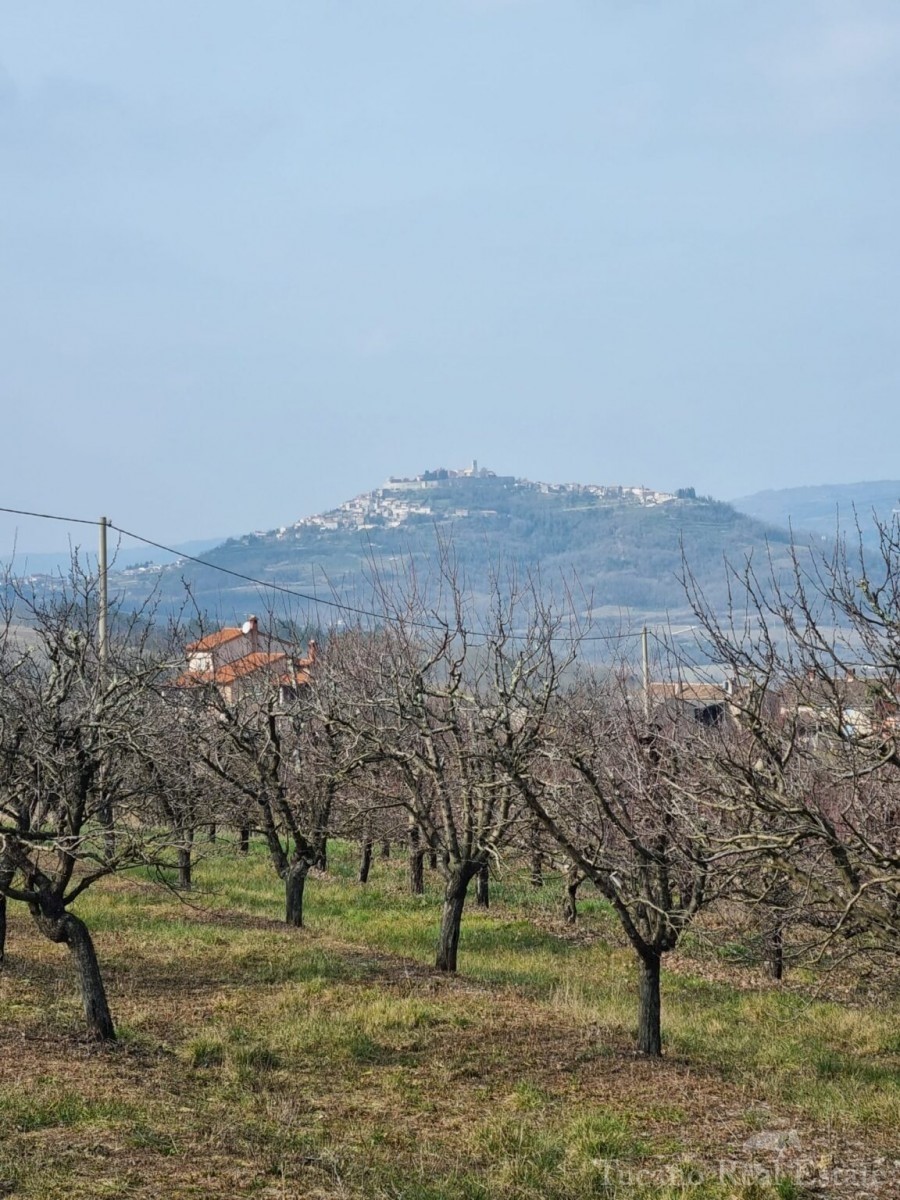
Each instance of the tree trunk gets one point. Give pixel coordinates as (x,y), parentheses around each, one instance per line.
(432,859)
(65,927)
(294,880)
(649,1009)
(93,994)
(483,887)
(537,858)
(416,862)
(109,829)
(775,951)
(385,847)
(185,864)
(451,918)
(537,869)
(244,839)
(417,873)
(6,878)
(777,899)
(184,868)
(211,837)
(365,860)
(570,900)
(321,861)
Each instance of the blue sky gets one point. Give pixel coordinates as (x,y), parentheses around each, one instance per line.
(258,257)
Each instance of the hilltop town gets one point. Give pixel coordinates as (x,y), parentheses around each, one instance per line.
(446,493)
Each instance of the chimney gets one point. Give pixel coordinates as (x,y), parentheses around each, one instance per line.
(311,651)
(252,630)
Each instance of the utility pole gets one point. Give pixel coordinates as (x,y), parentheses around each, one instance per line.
(103,610)
(105,808)
(645,660)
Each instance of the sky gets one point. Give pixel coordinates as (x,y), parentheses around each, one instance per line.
(256,258)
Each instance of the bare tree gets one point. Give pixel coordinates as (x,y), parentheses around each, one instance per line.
(815,765)
(73,732)
(619,796)
(280,758)
(441,709)
(184,795)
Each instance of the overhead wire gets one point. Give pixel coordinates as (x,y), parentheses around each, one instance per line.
(306,597)
(338,604)
(24,512)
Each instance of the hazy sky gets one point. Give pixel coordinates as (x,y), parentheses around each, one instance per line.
(256,257)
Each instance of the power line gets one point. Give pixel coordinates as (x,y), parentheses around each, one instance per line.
(277,587)
(349,608)
(23,512)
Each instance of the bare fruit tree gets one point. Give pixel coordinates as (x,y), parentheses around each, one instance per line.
(74,731)
(442,700)
(815,662)
(280,760)
(619,796)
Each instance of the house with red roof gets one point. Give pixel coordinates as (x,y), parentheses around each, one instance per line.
(239,661)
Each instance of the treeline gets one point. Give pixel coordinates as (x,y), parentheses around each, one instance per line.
(475,740)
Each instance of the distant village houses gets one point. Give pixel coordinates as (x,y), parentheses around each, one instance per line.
(401,499)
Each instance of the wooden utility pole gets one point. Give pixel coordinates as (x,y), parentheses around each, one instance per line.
(103,603)
(105,808)
(645,661)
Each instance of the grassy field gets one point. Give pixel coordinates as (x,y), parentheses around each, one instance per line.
(332,1062)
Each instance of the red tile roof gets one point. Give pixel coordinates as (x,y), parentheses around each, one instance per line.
(215,639)
(241,667)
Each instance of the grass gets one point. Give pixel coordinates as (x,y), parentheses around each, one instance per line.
(255,1060)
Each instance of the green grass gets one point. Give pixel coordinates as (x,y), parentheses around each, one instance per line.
(263,1061)
(837,1062)
(49,1107)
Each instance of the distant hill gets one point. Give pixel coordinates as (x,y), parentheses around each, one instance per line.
(821,510)
(23,563)
(620,546)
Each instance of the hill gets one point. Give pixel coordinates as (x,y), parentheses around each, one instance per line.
(123,557)
(621,546)
(822,510)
